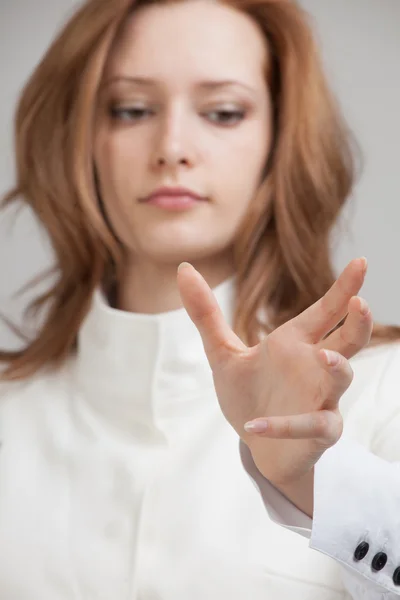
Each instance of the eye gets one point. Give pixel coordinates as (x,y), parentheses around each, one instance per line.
(129,114)
(226,116)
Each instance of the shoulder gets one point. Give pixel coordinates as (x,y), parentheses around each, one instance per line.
(34,416)
(21,394)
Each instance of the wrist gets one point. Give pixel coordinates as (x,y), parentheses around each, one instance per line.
(300,492)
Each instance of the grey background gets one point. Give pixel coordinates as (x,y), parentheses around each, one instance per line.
(360,41)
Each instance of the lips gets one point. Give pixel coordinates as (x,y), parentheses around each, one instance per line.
(169,192)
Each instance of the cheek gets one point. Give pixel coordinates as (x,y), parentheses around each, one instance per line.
(240,173)
(243,165)
(114,161)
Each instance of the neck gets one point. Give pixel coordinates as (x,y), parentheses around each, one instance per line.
(151,288)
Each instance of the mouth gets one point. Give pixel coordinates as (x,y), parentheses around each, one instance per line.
(173,198)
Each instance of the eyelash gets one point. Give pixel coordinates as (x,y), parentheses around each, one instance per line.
(117,114)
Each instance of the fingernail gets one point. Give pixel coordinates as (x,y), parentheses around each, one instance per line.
(256,426)
(364,308)
(183,265)
(332,358)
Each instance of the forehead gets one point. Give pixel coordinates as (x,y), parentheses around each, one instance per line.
(196,38)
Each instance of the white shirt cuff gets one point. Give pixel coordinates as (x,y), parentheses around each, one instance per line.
(356,501)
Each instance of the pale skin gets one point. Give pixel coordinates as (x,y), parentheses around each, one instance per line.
(191,116)
(282,395)
(174,111)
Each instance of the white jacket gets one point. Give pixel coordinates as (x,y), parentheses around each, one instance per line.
(121,480)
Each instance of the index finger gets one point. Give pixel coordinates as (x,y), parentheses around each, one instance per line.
(219,340)
(320,318)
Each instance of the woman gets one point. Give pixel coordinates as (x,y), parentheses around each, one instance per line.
(150,135)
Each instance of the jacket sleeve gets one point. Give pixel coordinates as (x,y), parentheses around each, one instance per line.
(356,518)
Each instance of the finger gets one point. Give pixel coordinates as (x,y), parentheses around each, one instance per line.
(355,333)
(218,338)
(323,425)
(320,318)
(338,377)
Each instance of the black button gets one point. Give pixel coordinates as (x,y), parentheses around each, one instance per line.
(396,576)
(379,561)
(361,551)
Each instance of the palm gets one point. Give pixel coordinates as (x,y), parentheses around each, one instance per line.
(246,388)
(268,382)
(284,377)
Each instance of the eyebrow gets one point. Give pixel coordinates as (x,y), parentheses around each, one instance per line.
(207,85)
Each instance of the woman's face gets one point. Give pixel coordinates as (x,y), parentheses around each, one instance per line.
(183,103)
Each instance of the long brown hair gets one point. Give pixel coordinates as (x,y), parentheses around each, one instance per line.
(282,252)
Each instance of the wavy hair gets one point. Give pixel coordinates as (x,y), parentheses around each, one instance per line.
(282,252)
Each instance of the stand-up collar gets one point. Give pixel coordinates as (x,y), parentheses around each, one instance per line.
(145,368)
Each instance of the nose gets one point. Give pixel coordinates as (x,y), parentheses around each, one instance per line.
(173,148)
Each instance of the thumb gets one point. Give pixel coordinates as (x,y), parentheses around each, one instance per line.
(219,340)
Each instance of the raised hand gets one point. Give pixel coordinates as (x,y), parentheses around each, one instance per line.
(282,395)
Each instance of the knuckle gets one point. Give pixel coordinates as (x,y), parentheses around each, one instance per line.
(351,344)
(320,423)
(346,372)
(328,308)
(206,316)
(333,428)
(352,340)
(336,429)
(287,428)
(340,373)
(344,286)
